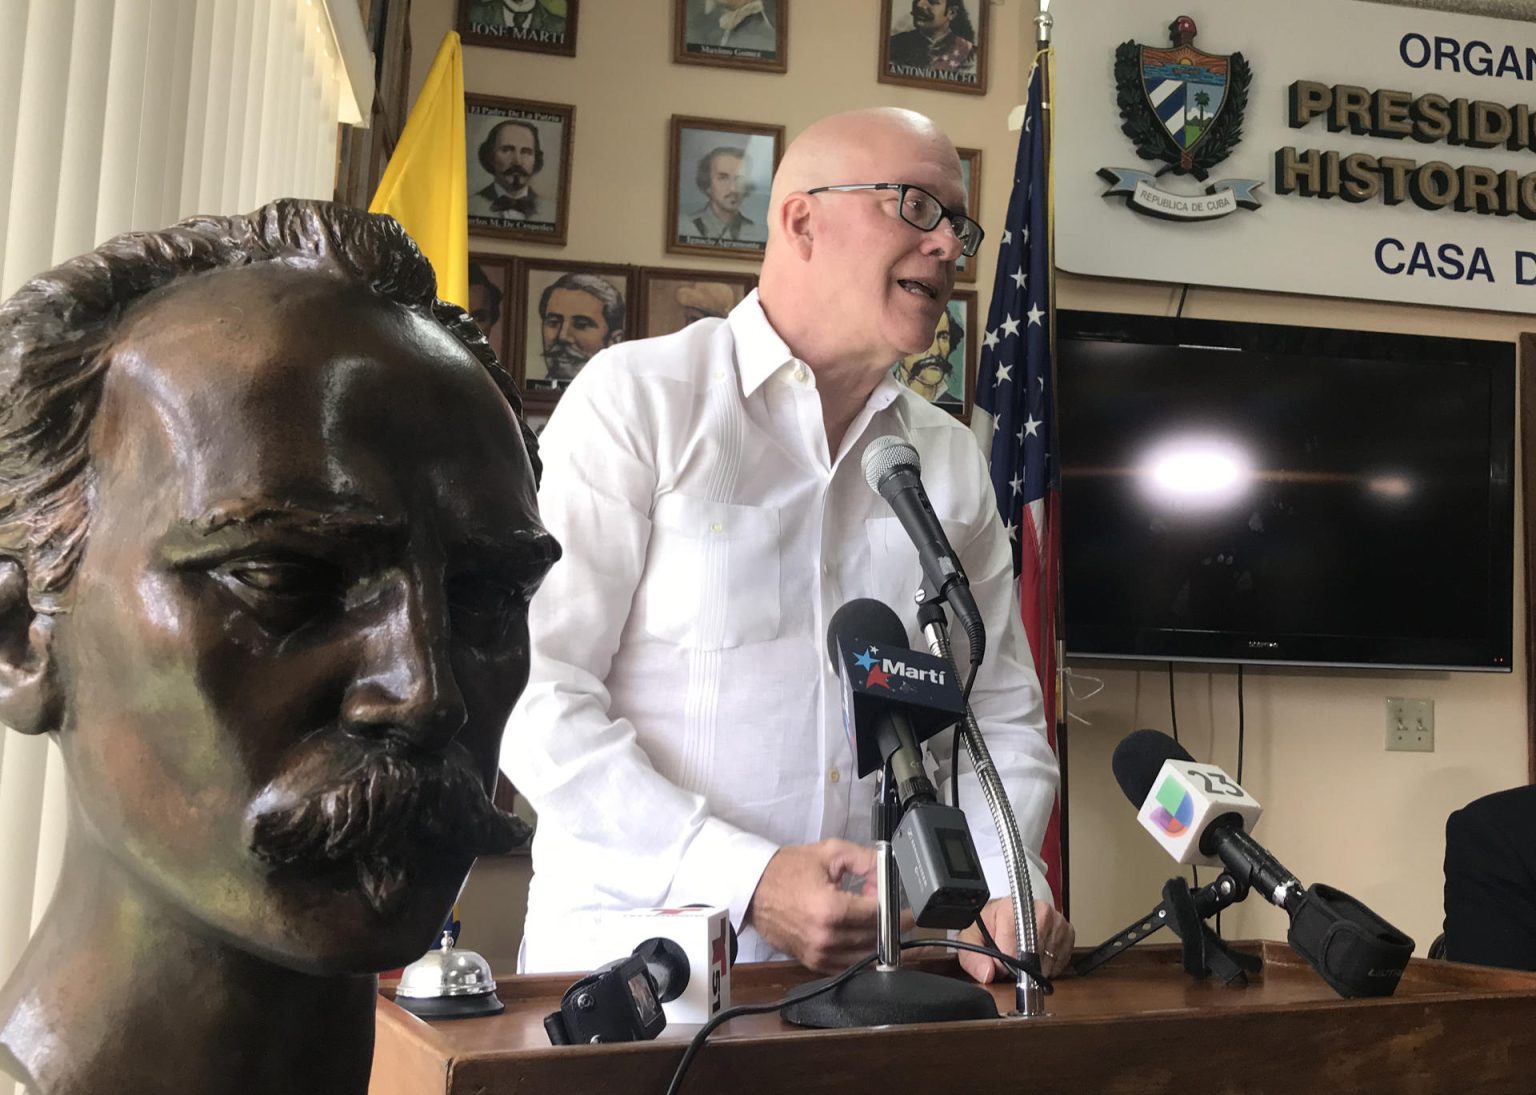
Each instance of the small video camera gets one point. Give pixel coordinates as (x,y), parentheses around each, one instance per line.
(621,1002)
(939,867)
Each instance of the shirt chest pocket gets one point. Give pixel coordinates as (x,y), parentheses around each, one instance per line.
(711,573)
(894,571)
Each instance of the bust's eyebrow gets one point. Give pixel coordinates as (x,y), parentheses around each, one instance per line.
(339,515)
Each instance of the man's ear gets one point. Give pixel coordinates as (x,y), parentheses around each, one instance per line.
(29,699)
(795,218)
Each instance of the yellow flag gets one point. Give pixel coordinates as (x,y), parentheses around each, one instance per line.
(424,185)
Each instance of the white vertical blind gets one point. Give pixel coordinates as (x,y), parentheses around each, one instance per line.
(13,21)
(237,75)
(199,65)
(155,115)
(35,156)
(118,115)
(120,128)
(178,105)
(85,105)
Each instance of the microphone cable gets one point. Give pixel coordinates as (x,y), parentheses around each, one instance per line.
(796,996)
(1240,742)
(1173,711)
(954,741)
(1240,749)
(1173,720)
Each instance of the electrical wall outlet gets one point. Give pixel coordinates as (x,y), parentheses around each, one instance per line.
(1410,725)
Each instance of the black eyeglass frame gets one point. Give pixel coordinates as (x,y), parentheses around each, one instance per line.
(955,218)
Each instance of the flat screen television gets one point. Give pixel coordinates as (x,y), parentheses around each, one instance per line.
(1252,493)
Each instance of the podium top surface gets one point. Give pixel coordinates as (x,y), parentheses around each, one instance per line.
(1137,1024)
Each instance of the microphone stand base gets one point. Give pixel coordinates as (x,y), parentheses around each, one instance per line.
(875,998)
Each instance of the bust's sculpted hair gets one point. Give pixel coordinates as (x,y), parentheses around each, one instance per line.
(56,331)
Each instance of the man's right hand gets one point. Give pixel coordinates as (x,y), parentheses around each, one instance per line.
(801,908)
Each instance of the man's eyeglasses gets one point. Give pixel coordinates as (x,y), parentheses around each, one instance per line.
(922,210)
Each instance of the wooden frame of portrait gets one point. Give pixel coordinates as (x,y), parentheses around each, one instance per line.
(897,65)
(970,167)
(956,398)
(534,276)
(547,32)
(501,272)
(713,291)
(687,49)
(540,118)
(717,131)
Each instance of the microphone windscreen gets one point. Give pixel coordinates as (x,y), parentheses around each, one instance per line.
(1140,757)
(883,456)
(866,619)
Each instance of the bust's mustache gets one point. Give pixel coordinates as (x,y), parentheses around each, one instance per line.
(380,806)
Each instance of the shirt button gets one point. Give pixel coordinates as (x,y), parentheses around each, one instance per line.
(800,373)
(717,528)
(834,775)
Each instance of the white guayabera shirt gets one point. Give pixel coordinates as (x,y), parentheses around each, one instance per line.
(682,720)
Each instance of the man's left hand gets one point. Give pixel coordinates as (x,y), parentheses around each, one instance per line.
(1054,934)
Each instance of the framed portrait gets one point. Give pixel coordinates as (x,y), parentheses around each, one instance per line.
(970,175)
(749,34)
(670,300)
(538,26)
(945,373)
(717,190)
(936,44)
(567,311)
(491,283)
(519,169)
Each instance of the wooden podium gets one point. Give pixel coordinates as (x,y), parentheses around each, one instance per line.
(1137,1025)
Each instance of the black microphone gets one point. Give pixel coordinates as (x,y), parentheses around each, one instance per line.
(1196,812)
(873,622)
(1208,821)
(893,470)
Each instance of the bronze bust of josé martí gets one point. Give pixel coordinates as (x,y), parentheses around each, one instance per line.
(267,536)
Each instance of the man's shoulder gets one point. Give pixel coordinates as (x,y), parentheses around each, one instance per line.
(689,356)
(1511,813)
(655,385)
(941,439)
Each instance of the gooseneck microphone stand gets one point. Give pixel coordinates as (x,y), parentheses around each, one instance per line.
(1029,994)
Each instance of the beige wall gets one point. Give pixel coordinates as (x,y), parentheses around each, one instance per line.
(1341,810)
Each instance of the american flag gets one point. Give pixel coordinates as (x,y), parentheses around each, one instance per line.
(1013,385)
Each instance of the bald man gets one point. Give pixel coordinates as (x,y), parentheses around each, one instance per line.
(681,735)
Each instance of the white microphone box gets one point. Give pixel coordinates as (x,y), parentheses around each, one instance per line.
(1186,797)
(702,932)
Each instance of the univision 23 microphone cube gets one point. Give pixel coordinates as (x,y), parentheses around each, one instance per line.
(1185,801)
